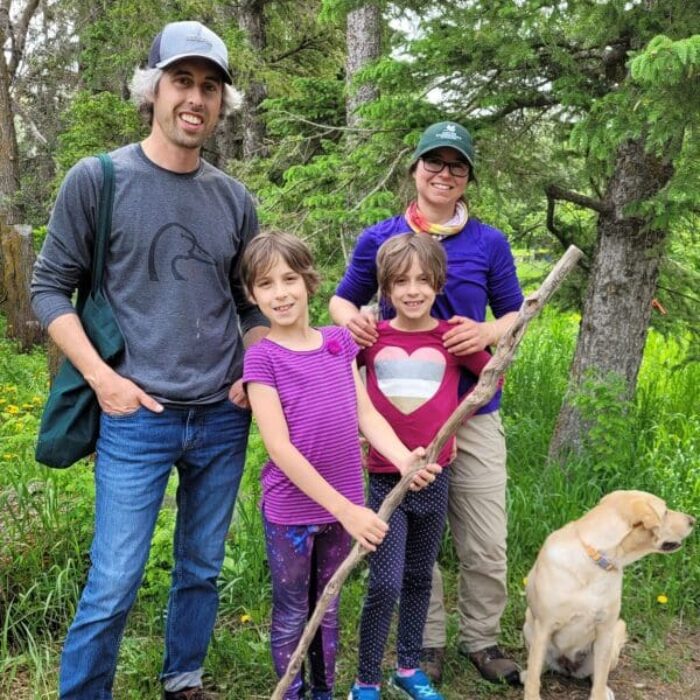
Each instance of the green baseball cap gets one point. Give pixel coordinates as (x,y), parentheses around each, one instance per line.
(446,135)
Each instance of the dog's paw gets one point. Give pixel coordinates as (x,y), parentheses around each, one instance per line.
(608,695)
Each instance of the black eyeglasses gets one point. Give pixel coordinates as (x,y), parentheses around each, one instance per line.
(457,168)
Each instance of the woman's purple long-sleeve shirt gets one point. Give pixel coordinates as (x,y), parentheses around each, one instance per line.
(480,274)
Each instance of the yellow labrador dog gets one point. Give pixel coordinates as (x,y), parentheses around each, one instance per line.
(574,590)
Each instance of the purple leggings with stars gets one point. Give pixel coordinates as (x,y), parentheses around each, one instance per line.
(302,559)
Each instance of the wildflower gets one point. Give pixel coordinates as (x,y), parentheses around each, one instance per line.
(525,581)
(12,408)
(246,618)
(662,599)
(7,456)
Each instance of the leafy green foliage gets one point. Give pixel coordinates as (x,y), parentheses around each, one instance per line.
(95,122)
(46,522)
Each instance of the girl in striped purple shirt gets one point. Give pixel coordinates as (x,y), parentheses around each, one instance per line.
(308,402)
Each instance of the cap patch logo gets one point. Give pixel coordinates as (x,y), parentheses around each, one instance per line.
(199,40)
(449,133)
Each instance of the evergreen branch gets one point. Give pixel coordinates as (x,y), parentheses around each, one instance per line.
(676,293)
(482,393)
(519,104)
(17,109)
(385,179)
(307,42)
(328,128)
(565,240)
(556,192)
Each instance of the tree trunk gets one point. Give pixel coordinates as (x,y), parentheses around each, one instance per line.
(251,19)
(363,38)
(618,301)
(18,255)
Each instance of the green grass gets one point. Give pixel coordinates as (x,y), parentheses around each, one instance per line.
(46,520)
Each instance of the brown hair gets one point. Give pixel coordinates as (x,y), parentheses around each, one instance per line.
(396,254)
(261,253)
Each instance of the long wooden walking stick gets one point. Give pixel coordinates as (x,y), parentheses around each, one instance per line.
(480,396)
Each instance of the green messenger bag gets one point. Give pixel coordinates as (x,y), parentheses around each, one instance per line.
(70,422)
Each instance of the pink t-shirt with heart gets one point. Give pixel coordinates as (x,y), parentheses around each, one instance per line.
(413,382)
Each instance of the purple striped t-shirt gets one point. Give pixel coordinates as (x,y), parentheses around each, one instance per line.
(317,393)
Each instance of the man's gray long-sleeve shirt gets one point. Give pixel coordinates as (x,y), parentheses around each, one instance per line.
(171,271)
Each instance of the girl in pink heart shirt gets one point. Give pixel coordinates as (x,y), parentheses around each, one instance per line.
(413,382)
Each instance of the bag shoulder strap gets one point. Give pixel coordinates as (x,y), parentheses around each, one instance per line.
(104,222)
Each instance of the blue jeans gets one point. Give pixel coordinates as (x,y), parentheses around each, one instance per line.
(135,454)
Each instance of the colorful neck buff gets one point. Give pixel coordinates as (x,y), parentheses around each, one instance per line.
(419,224)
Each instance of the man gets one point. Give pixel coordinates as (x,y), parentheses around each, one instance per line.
(179,228)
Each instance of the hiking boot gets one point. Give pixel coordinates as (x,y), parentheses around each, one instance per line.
(416,686)
(493,665)
(193,693)
(363,692)
(431,661)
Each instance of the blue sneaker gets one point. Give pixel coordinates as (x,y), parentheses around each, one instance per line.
(363,692)
(417,686)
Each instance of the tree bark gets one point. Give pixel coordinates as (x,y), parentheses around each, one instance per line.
(363,39)
(18,255)
(621,287)
(251,19)
(9,162)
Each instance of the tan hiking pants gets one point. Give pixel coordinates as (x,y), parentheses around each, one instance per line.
(478,522)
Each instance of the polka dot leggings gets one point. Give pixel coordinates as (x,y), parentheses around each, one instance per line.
(401,566)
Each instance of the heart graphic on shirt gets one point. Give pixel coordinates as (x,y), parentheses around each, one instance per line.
(409,380)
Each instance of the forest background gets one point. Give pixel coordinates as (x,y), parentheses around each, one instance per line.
(585,117)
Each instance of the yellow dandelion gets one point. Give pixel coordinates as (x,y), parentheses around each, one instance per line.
(525,581)
(662,599)
(8,456)
(246,618)
(12,408)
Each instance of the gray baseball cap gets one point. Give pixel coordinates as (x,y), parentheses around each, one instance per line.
(180,40)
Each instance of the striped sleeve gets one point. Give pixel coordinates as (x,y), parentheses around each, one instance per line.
(257,366)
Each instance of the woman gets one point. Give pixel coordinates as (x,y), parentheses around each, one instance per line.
(481,273)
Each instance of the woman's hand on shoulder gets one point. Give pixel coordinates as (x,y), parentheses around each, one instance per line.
(467,336)
(363,328)
(364,525)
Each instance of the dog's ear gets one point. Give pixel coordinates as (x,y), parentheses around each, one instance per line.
(643,513)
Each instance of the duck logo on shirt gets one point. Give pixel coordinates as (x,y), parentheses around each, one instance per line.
(181,248)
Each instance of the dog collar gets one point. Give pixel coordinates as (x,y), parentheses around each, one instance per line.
(599,558)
